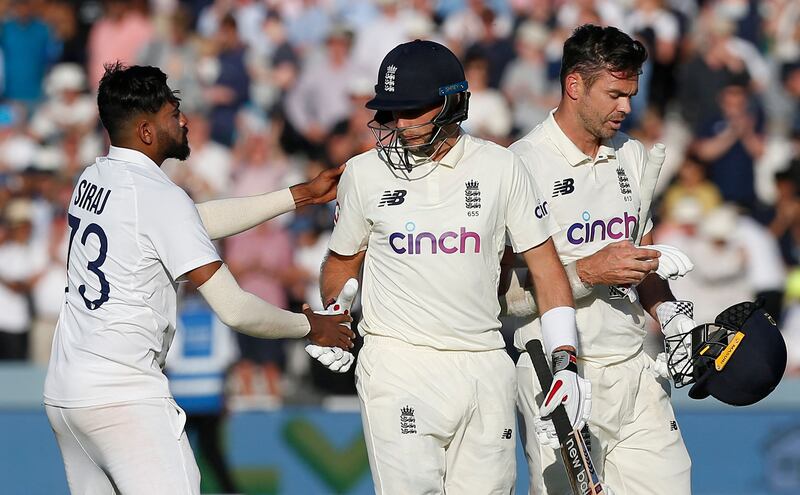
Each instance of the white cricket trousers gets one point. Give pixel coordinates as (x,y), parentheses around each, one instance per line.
(437,421)
(131,448)
(636,445)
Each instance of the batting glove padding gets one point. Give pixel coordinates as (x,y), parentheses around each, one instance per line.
(333,358)
(675,317)
(569,389)
(673,263)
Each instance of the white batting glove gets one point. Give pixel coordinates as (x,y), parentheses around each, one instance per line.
(569,389)
(334,358)
(673,263)
(660,366)
(546,432)
(676,317)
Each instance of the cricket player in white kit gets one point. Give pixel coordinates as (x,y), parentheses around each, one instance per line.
(133,234)
(426,214)
(591,176)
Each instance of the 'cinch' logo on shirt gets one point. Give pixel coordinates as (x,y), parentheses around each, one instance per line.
(598,230)
(448,242)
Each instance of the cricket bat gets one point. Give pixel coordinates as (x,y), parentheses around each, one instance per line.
(647,187)
(581,473)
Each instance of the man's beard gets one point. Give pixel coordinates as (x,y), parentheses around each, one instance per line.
(595,126)
(178,149)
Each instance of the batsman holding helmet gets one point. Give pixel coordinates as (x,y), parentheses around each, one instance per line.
(592,176)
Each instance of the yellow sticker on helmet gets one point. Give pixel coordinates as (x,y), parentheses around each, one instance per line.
(726,354)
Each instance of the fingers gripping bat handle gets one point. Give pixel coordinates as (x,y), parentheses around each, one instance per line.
(545,376)
(583,478)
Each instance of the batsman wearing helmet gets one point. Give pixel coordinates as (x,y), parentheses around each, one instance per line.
(595,180)
(426,215)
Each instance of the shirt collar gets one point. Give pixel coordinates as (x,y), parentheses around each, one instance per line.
(567,148)
(131,156)
(454,154)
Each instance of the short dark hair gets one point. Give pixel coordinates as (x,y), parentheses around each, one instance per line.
(592,49)
(128,91)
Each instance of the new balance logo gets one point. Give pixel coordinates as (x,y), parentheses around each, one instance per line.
(673,426)
(562,187)
(408,423)
(506,434)
(393,198)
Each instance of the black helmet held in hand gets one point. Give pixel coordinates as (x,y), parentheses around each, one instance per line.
(739,359)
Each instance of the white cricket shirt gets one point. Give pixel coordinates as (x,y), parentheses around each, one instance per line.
(434,245)
(594,201)
(133,234)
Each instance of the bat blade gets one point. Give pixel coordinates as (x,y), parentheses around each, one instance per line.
(583,478)
(647,186)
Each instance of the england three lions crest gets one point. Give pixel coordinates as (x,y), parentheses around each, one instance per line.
(472,198)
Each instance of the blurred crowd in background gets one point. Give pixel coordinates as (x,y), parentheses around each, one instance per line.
(274,92)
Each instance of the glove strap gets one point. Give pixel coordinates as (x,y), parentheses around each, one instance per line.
(564,360)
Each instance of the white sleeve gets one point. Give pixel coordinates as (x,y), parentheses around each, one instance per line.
(226,217)
(351,231)
(171,224)
(528,222)
(247,313)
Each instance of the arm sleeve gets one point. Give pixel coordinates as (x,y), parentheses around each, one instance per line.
(226,217)
(351,232)
(172,226)
(528,222)
(247,313)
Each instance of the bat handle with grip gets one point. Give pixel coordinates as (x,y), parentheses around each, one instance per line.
(545,376)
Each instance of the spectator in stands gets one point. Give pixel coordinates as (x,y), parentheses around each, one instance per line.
(526,82)
(28,49)
(659,30)
(496,47)
(463,28)
(48,290)
(351,136)
(732,142)
(378,36)
(692,184)
(120,35)
(21,261)
(230,88)
(489,114)
(176,52)
(274,65)
(17,147)
(308,26)
(709,69)
(320,99)
(720,276)
(68,111)
(261,260)
(785,224)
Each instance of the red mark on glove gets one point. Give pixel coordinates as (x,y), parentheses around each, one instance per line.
(553,391)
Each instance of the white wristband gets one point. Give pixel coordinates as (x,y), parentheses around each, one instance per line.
(559,329)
